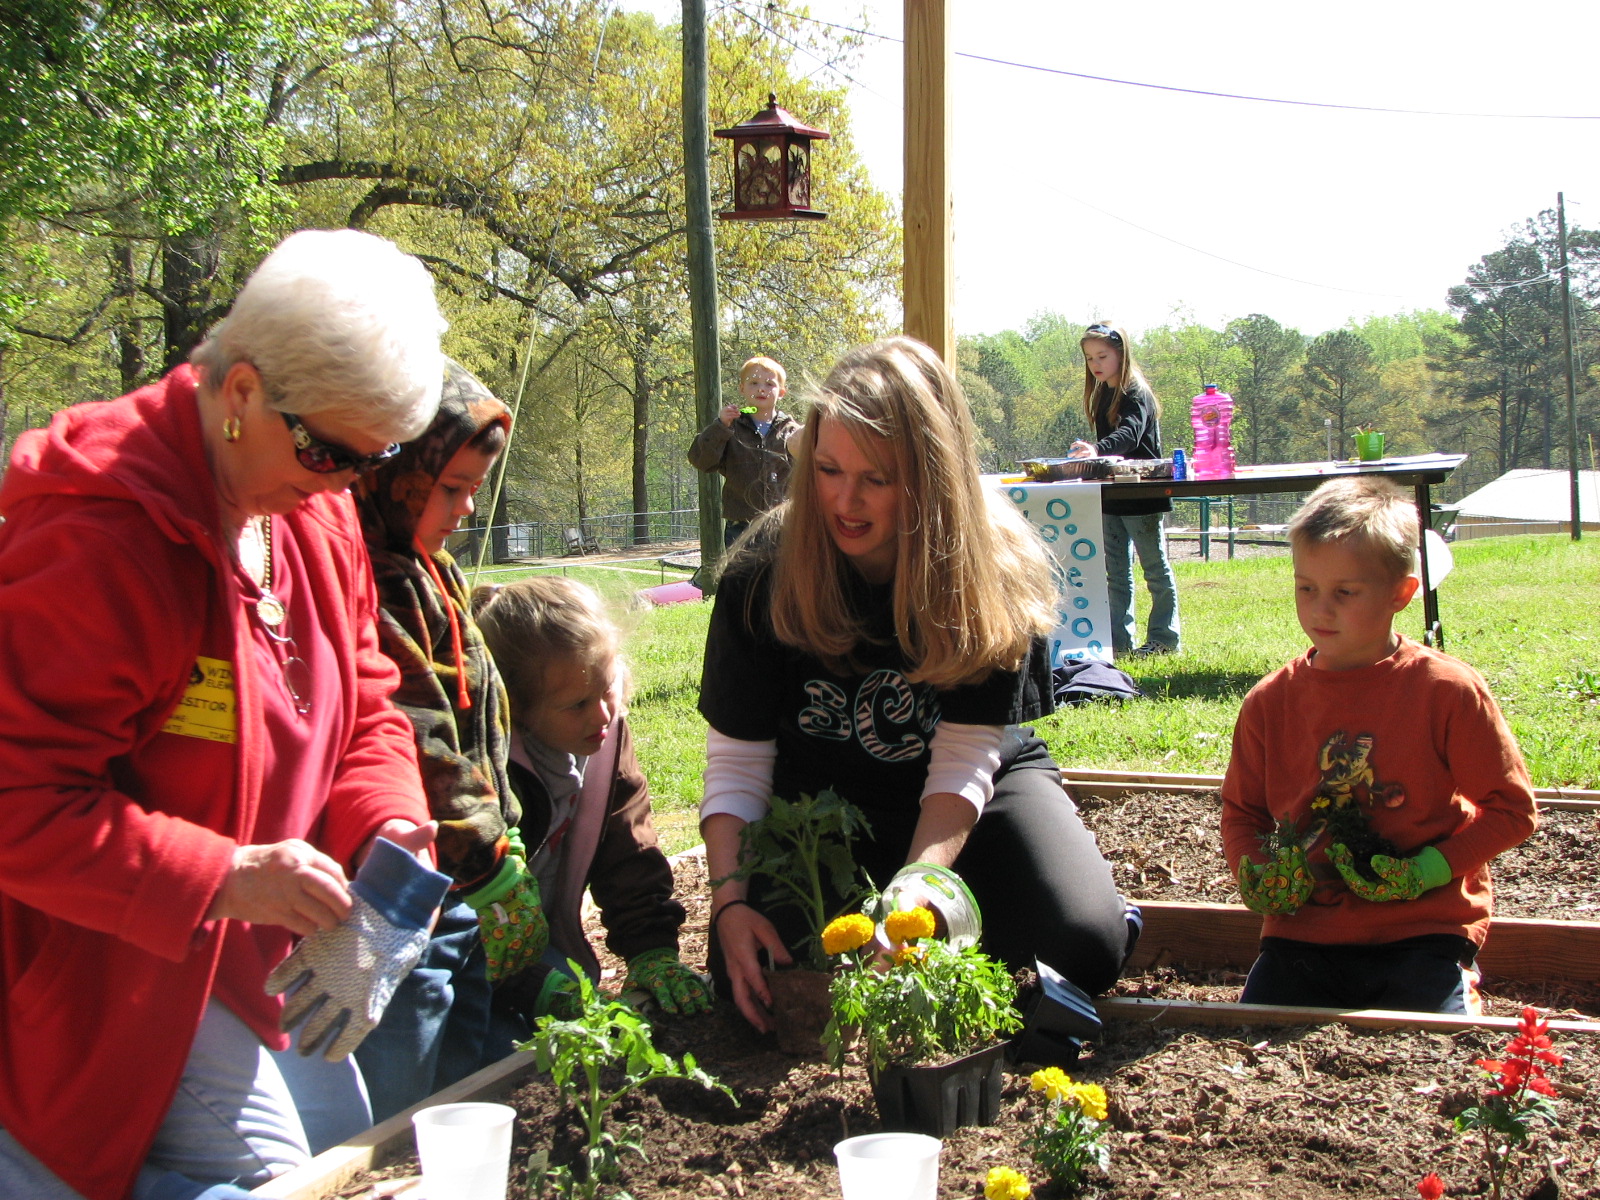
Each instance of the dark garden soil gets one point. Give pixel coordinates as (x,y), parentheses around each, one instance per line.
(1242,1112)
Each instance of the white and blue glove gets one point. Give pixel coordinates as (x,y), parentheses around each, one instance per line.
(340,980)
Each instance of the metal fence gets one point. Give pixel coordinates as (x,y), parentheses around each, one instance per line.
(607,534)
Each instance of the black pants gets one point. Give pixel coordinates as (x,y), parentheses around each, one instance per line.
(1419,974)
(1043,888)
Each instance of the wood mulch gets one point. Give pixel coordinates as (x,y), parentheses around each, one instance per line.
(1236,1113)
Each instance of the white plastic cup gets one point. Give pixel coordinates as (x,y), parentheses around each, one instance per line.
(888,1166)
(464,1150)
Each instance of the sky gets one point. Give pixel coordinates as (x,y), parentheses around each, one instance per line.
(1103,201)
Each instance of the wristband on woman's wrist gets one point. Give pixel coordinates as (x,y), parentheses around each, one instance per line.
(716,916)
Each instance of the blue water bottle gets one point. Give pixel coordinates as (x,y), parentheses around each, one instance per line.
(1180,467)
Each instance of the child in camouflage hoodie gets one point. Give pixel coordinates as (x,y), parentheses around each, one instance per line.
(440,1026)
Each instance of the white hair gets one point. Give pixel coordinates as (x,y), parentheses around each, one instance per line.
(340,322)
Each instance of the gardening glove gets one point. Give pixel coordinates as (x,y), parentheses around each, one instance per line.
(515,931)
(340,980)
(1277,887)
(1398,878)
(666,980)
(541,991)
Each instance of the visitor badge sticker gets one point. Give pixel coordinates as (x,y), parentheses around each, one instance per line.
(1067,516)
(208,709)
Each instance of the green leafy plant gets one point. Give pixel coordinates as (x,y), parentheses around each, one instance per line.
(931,1002)
(1069,1139)
(605,1035)
(1522,1099)
(803,848)
(1348,826)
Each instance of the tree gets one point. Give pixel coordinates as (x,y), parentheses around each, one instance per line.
(152,124)
(1339,381)
(1506,370)
(531,156)
(1266,352)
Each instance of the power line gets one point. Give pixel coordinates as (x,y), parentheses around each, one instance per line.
(1221,258)
(1167,87)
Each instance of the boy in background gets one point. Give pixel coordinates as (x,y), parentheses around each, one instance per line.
(1369,746)
(749,445)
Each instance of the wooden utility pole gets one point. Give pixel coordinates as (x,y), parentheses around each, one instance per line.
(1572,389)
(702,269)
(929,279)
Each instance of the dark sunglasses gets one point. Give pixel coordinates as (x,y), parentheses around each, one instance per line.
(324,458)
(1104,331)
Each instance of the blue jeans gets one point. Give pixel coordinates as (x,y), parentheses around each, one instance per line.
(438,1028)
(242,1115)
(1420,974)
(1143,534)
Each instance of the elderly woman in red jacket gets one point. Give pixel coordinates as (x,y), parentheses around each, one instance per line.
(197,749)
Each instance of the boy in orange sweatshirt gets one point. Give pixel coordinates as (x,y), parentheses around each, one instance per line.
(1371,781)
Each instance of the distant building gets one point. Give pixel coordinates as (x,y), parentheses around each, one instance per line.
(1528,501)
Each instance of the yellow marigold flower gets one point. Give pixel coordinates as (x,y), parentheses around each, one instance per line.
(907,954)
(1091,1099)
(1003,1183)
(909,925)
(1055,1083)
(849,932)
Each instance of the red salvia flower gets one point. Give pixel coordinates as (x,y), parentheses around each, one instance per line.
(1430,1187)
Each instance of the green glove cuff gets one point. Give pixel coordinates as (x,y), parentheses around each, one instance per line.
(556,986)
(1435,871)
(511,871)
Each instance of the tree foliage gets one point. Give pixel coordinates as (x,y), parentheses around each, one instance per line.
(530,154)
(1506,370)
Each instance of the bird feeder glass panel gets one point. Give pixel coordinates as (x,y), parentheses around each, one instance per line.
(800,176)
(758,180)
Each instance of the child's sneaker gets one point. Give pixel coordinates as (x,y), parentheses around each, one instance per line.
(1150,649)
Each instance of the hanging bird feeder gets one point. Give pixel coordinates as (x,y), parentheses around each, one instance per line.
(772,167)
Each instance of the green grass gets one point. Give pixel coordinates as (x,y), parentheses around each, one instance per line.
(1523,611)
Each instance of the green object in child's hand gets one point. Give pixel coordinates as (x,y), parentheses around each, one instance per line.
(1279,886)
(1398,878)
(749,408)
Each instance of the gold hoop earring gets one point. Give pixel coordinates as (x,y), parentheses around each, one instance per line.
(232,429)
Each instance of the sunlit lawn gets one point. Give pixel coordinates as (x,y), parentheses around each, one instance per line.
(1523,611)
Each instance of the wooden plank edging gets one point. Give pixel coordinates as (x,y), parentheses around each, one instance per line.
(1228,935)
(1111,785)
(332,1169)
(1212,1012)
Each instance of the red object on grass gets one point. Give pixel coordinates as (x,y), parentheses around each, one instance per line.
(672,593)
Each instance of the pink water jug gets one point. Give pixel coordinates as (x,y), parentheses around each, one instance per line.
(1211,417)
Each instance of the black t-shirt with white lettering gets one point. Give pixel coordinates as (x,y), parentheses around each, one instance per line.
(864,733)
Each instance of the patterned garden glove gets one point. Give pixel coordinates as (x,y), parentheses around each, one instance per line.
(515,931)
(339,980)
(1399,878)
(1279,886)
(540,991)
(675,987)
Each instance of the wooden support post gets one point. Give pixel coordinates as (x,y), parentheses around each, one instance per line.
(702,273)
(929,276)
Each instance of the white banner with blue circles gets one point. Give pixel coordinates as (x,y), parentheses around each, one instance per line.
(1067,516)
